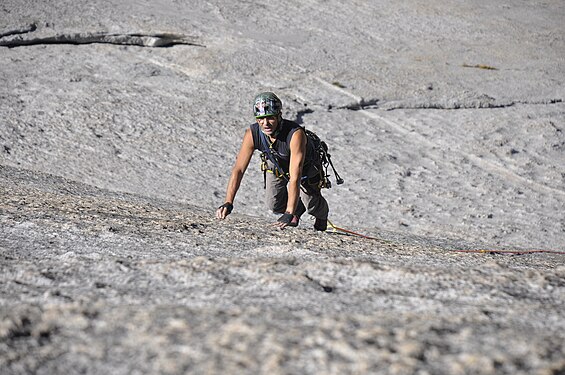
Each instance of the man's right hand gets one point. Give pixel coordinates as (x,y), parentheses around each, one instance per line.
(224,210)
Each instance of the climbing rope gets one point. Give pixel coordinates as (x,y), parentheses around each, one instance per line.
(512,252)
(477,251)
(338,229)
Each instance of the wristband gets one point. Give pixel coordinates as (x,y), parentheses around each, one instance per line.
(227,206)
(286,218)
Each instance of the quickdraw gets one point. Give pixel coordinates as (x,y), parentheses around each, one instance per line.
(305,182)
(275,171)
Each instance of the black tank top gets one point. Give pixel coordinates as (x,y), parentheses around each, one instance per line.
(281,146)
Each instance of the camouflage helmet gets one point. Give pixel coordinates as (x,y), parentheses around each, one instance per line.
(267,104)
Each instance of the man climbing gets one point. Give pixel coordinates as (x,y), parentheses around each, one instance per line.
(289,163)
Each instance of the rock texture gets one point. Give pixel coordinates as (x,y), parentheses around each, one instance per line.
(444,120)
(119,123)
(99,282)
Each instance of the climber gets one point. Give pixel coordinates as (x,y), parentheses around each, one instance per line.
(289,162)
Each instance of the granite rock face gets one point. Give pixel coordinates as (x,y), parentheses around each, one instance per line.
(445,121)
(100,282)
(119,123)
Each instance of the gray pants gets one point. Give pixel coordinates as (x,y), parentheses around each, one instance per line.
(311,200)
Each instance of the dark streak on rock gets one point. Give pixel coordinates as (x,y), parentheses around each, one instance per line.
(143,40)
(22,30)
(362,104)
(325,288)
(465,104)
(300,115)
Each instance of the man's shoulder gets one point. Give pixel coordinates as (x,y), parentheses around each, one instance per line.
(256,134)
(254,128)
(290,127)
(290,124)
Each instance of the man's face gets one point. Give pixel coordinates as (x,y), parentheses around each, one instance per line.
(268,124)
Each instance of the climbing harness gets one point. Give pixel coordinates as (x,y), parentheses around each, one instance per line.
(322,161)
(268,154)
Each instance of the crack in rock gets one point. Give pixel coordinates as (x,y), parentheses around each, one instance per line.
(361,104)
(324,286)
(448,104)
(22,30)
(478,103)
(467,104)
(473,102)
(143,40)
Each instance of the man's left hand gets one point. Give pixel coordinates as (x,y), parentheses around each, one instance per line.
(286,220)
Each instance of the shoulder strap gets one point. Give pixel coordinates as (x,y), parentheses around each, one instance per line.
(266,146)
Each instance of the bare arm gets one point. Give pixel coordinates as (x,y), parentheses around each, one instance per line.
(297,155)
(238,170)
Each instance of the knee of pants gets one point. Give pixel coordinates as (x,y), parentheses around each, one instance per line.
(276,206)
(317,205)
(276,200)
(320,210)
(275,194)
